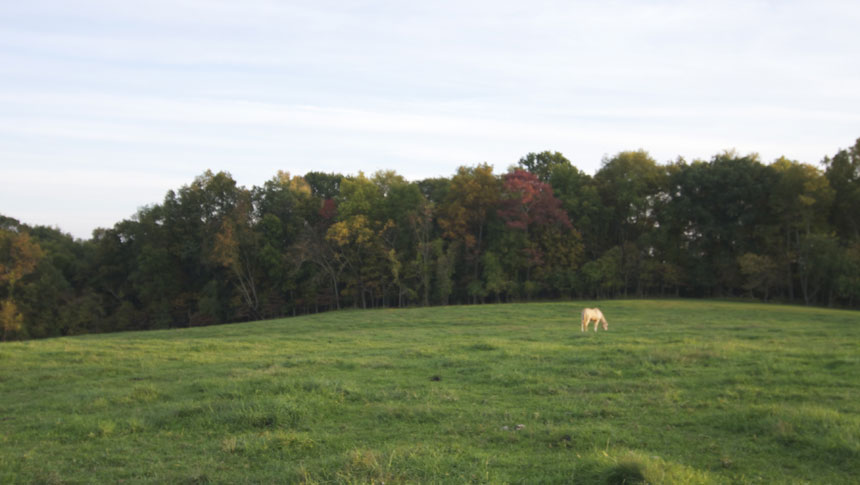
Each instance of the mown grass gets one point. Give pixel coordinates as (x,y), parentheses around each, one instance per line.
(675,392)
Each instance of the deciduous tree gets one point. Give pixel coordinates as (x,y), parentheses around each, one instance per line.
(19,256)
(469,204)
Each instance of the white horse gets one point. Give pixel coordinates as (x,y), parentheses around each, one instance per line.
(593,315)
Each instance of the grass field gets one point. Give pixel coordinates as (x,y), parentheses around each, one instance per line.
(674,392)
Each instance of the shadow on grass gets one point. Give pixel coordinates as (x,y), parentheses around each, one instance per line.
(629,467)
(626,473)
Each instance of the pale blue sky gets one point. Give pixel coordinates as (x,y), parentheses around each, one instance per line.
(106,105)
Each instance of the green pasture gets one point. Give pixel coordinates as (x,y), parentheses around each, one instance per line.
(675,392)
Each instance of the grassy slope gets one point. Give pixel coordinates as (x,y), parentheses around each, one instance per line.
(675,392)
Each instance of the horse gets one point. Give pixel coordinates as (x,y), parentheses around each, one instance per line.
(593,315)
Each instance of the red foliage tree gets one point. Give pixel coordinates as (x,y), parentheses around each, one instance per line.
(528,203)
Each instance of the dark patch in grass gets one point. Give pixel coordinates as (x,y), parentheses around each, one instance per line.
(258,420)
(835,364)
(265,415)
(408,414)
(198,479)
(417,354)
(543,390)
(563,441)
(143,394)
(436,378)
(379,365)
(344,365)
(626,473)
(607,413)
(48,478)
(202,348)
(482,347)
(267,420)
(189,411)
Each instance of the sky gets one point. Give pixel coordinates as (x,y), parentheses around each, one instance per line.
(107,105)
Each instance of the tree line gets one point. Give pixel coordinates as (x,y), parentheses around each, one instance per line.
(213,251)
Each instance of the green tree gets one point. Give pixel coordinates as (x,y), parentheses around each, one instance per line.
(10,318)
(761,273)
(819,271)
(629,185)
(421,222)
(357,246)
(801,200)
(283,206)
(401,206)
(321,251)
(237,248)
(58,298)
(19,256)
(848,279)
(843,173)
(445,256)
(357,239)
(579,197)
(603,276)
(466,212)
(495,281)
(719,210)
(324,185)
(543,164)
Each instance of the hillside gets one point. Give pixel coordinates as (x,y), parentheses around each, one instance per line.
(674,392)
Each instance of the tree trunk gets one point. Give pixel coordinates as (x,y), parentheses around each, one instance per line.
(334,287)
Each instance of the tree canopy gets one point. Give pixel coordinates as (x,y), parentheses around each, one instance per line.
(213,251)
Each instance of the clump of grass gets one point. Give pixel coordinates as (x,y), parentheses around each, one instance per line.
(135,425)
(199,478)
(143,394)
(482,347)
(49,477)
(232,444)
(291,441)
(106,427)
(367,466)
(259,415)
